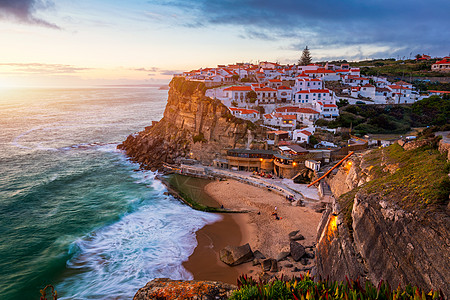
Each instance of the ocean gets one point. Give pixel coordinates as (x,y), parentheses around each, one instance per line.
(75,212)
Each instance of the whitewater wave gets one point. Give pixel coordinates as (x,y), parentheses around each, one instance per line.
(152,242)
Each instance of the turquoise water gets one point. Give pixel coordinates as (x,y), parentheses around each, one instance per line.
(74,211)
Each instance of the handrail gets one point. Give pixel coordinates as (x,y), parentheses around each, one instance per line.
(329,171)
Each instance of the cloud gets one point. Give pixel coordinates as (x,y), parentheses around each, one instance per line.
(153,70)
(411,24)
(43,69)
(170,72)
(24,11)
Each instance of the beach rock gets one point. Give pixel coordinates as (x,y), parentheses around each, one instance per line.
(297,251)
(295,236)
(256,262)
(274,267)
(257,254)
(234,256)
(304,261)
(288,265)
(283,255)
(267,264)
(164,288)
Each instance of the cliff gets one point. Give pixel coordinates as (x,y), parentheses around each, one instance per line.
(390,220)
(193,126)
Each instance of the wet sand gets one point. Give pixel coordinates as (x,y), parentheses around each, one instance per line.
(258,228)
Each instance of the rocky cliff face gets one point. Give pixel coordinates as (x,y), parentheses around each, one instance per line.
(165,289)
(193,126)
(379,229)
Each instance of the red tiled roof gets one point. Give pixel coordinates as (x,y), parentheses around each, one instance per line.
(398,87)
(306,110)
(319,91)
(287,109)
(241,88)
(444,61)
(329,105)
(368,85)
(244,111)
(265,89)
(306,132)
(289,117)
(275,80)
(283,87)
(268,116)
(441,92)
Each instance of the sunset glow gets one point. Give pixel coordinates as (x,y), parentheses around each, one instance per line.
(60,43)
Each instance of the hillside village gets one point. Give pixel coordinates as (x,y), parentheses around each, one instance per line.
(291,97)
(288,100)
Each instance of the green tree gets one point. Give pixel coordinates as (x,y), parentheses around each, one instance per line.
(251,96)
(306,57)
(342,102)
(234,103)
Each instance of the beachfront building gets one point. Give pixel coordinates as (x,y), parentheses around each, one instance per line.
(289,161)
(250,160)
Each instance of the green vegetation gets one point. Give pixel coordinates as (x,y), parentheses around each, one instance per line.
(251,96)
(187,88)
(431,86)
(397,68)
(305,288)
(365,119)
(199,138)
(417,180)
(306,57)
(187,195)
(421,180)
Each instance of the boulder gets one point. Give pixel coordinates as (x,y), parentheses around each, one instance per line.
(267,264)
(297,251)
(234,256)
(295,236)
(304,261)
(282,255)
(164,288)
(257,254)
(288,265)
(274,267)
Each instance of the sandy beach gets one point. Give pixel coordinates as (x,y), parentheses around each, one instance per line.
(258,227)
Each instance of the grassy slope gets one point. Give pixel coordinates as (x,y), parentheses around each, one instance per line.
(420,183)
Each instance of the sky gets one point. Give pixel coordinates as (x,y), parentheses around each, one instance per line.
(112,42)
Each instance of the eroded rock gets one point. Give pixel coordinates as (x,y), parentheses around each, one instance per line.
(234,256)
(164,288)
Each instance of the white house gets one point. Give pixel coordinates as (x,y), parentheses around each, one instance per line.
(368,90)
(327,110)
(312,164)
(301,135)
(441,66)
(247,114)
(237,93)
(266,95)
(355,80)
(284,94)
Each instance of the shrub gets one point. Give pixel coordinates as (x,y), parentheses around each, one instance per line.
(306,288)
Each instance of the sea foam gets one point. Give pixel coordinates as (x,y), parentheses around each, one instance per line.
(152,242)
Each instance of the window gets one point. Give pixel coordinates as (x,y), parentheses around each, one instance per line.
(306,97)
